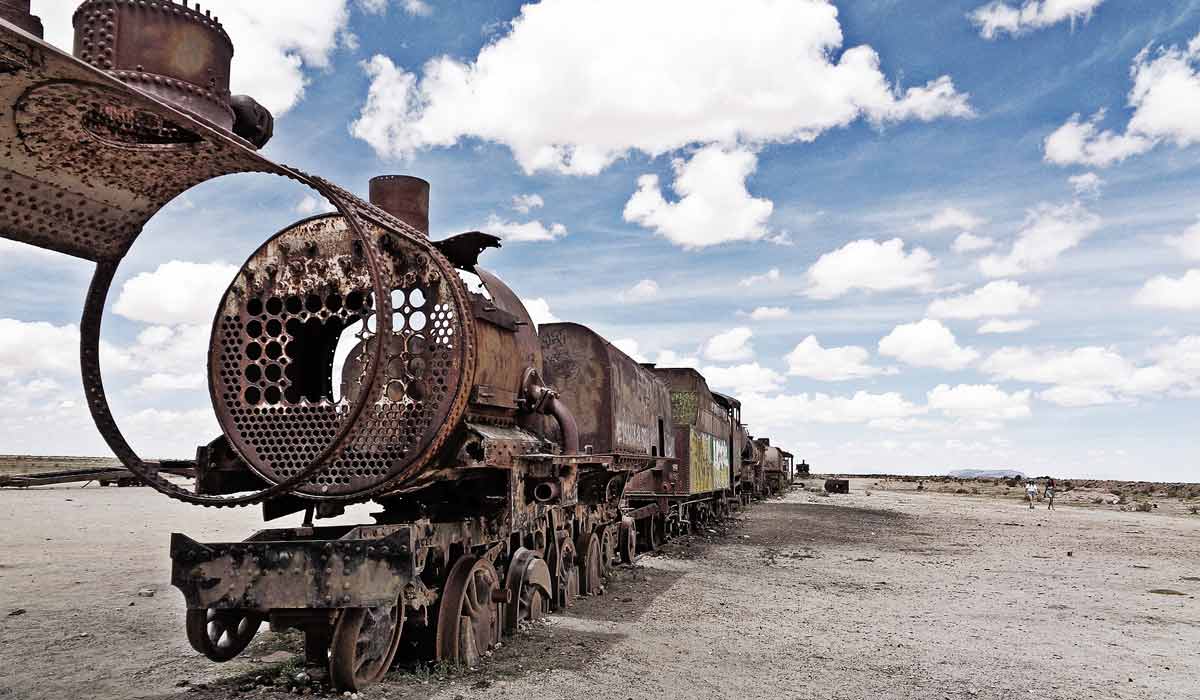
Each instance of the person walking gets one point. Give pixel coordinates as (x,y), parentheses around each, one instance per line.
(1050,494)
(1031,492)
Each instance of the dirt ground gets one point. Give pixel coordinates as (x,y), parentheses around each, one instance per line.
(896,594)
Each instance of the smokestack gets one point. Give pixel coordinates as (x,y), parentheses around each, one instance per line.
(17,12)
(404,197)
(173,51)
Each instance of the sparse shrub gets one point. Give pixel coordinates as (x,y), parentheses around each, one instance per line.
(1144,507)
(1122,499)
(961,491)
(1068,486)
(1194,510)
(974,491)
(1098,500)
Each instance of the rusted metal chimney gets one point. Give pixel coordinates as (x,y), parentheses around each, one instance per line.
(404,197)
(173,51)
(17,12)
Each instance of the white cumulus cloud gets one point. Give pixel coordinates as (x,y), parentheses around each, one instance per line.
(970,243)
(772,275)
(1000,17)
(784,411)
(1049,231)
(1000,298)
(953,219)
(997,327)
(1188,242)
(539,311)
(872,266)
(980,402)
(927,343)
(643,291)
(1176,294)
(177,292)
(770,313)
(1086,185)
(714,205)
(525,203)
(528,232)
(744,379)
(811,360)
(553,90)
(1165,99)
(731,346)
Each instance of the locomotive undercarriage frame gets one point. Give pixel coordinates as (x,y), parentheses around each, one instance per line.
(425,574)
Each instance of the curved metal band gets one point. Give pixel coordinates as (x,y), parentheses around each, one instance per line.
(93,382)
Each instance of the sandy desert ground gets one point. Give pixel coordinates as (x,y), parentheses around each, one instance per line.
(896,594)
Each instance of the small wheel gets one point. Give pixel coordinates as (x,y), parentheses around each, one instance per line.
(628,542)
(591,577)
(564,570)
(468,617)
(608,548)
(648,537)
(364,644)
(530,586)
(221,634)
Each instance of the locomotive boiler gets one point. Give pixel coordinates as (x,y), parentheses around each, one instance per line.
(351,359)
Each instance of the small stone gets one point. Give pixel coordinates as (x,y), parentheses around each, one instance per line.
(146,593)
(303,678)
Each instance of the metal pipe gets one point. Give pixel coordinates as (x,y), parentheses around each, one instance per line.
(557,408)
(404,197)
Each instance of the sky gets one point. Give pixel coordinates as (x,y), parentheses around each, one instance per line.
(912,237)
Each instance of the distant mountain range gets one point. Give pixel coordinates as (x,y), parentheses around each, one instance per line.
(986,474)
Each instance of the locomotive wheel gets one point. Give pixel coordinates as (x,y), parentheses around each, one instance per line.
(628,543)
(608,548)
(221,634)
(591,573)
(529,584)
(468,617)
(564,569)
(363,646)
(651,542)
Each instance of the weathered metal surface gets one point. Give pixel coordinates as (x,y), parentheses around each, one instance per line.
(174,52)
(86,160)
(274,343)
(702,430)
(296,569)
(404,197)
(17,12)
(620,406)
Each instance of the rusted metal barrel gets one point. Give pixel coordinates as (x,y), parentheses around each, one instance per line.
(17,12)
(404,197)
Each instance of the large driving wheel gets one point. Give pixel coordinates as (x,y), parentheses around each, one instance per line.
(468,617)
(221,634)
(363,645)
(530,586)
(591,573)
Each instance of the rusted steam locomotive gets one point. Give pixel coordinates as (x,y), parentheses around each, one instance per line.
(513,467)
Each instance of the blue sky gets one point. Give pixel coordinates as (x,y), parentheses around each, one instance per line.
(888,208)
